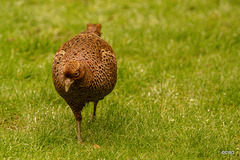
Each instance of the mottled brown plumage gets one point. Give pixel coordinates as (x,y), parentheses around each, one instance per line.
(84,70)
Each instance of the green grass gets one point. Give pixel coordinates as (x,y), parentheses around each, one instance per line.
(178,88)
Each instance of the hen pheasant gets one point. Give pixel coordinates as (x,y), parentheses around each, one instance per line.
(84,70)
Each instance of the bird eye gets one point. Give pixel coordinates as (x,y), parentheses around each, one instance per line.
(76,74)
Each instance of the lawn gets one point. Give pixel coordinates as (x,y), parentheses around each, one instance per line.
(178,89)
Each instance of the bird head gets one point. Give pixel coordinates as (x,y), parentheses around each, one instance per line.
(73,70)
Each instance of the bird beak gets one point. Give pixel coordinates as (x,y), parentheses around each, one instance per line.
(68,83)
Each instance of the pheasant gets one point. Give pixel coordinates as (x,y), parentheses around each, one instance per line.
(84,70)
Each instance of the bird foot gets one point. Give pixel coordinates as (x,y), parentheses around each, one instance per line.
(80,139)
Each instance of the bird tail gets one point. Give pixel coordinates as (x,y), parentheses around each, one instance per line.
(95,28)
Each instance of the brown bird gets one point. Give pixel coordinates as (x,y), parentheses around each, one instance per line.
(84,70)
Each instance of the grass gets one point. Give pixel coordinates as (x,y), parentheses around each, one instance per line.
(177,94)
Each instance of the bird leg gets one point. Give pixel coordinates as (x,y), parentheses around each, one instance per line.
(78,117)
(94,111)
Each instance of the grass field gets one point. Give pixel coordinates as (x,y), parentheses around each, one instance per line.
(178,89)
